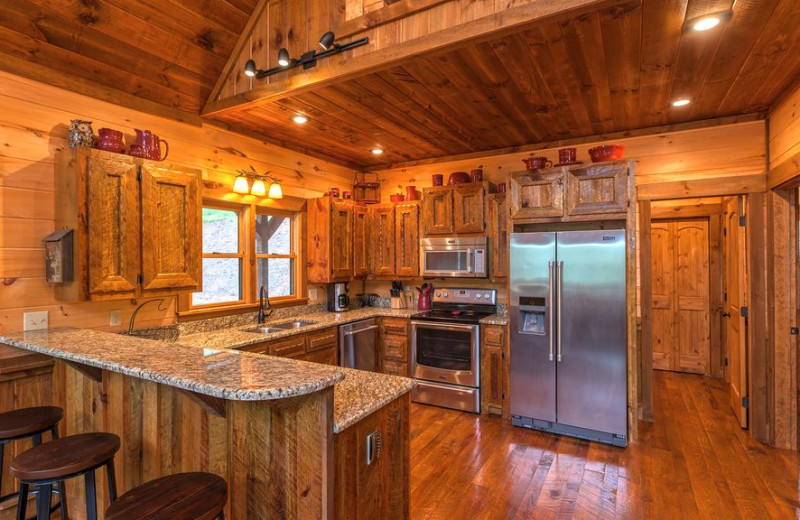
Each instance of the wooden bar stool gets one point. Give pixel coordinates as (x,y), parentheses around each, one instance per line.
(63,459)
(183,496)
(25,423)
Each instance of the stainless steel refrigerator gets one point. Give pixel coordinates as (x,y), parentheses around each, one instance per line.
(568,333)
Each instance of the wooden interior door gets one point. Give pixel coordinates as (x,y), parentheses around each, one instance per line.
(681,297)
(735,283)
(171,229)
(113,226)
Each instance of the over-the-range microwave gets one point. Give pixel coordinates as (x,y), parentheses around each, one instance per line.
(454,257)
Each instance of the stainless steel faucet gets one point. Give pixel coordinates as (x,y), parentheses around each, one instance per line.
(136,311)
(263,299)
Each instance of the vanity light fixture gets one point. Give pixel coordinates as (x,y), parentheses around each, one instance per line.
(275,190)
(681,102)
(240,185)
(259,186)
(259,189)
(300,119)
(307,59)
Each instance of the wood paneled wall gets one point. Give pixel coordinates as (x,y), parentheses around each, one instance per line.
(784,131)
(34,119)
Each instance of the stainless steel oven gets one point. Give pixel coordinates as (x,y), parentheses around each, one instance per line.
(454,257)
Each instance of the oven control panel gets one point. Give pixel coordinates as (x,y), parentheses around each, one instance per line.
(470,296)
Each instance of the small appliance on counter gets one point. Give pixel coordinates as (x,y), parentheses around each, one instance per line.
(338,298)
(445,348)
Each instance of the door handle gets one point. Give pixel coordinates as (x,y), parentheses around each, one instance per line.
(551,332)
(351,332)
(374,446)
(559,276)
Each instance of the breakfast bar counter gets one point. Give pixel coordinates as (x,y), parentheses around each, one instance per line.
(286,434)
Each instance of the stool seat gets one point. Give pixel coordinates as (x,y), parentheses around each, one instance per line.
(28,421)
(64,457)
(183,496)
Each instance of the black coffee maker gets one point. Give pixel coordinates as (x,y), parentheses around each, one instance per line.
(338,299)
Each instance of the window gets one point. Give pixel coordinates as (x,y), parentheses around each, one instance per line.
(275,254)
(223,257)
(245,247)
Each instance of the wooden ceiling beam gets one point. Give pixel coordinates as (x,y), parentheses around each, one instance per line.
(711,187)
(598,138)
(470,33)
(785,173)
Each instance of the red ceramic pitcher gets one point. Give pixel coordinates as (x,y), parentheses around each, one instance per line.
(424,302)
(148,145)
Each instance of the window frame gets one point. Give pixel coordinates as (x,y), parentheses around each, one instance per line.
(247,247)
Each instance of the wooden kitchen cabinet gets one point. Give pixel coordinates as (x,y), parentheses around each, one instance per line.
(406,217)
(497,231)
(468,208)
(320,346)
(537,195)
(597,190)
(330,240)
(494,371)
(361,241)
(291,347)
(394,345)
(372,477)
(137,225)
(437,211)
(382,239)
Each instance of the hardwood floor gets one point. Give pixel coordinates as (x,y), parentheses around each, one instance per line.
(694,461)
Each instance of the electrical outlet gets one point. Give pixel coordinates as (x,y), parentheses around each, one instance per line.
(35,320)
(312,294)
(115,318)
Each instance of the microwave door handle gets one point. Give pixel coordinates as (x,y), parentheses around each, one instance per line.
(470,254)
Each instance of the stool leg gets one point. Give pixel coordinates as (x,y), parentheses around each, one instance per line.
(112,481)
(37,439)
(43,501)
(54,432)
(91,497)
(2,451)
(22,504)
(62,500)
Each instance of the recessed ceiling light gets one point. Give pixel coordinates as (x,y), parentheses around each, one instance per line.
(377,151)
(681,102)
(706,23)
(300,119)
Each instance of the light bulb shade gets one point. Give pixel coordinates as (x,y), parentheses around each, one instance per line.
(326,42)
(240,185)
(283,57)
(250,68)
(275,191)
(258,188)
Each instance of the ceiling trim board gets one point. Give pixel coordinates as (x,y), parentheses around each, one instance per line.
(662,129)
(469,33)
(713,187)
(785,173)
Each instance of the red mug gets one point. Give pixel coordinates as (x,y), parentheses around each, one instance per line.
(567,155)
(501,188)
(437,179)
(477,174)
(334,192)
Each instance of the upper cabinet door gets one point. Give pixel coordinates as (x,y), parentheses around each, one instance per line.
(497,218)
(113,225)
(171,228)
(383,239)
(437,211)
(468,208)
(407,232)
(597,189)
(361,241)
(537,195)
(342,240)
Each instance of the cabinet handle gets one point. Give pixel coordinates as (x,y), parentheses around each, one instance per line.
(374,446)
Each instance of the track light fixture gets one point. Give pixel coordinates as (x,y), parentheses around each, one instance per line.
(307,59)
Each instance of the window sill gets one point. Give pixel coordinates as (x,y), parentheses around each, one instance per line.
(242,308)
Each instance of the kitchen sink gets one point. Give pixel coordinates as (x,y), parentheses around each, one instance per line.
(293,324)
(266,330)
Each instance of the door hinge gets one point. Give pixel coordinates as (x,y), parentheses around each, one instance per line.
(746,401)
(140,279)
(139,174)
(743,312)
(629,203)
(742,221)
(724,232)
(794,331)
(725,296)
(726,361)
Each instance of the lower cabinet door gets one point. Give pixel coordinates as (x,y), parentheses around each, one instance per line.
(328,356)
(395,368)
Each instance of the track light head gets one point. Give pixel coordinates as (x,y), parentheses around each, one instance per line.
(250,69)
(283,57)
(326,42)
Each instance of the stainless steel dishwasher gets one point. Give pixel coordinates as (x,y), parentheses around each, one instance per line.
(358,344)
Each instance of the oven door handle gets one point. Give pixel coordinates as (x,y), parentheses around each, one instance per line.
(442,326)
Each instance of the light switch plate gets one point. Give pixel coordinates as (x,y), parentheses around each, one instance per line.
(115,318)
(35,320)
(312,294)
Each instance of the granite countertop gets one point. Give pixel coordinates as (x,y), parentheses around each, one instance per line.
(495,319)
(362,393)
(236,337)
(218,373)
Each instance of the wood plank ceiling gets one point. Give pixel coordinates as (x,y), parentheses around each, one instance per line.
(615,70)
(166,51)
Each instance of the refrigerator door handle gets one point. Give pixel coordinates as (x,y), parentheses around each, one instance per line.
(551,332)
(559,277)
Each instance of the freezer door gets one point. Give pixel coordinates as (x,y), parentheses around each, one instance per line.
(533,368)
(592,373)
